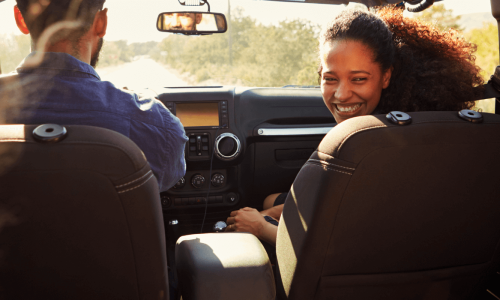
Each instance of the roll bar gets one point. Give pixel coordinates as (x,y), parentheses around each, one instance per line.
(495,11)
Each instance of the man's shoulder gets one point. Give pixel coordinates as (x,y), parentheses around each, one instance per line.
(11,77)
(140,106)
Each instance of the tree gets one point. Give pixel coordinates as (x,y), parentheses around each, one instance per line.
(262,55)
(486,39)
(440,17)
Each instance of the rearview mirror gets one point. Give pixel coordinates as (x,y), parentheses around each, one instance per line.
(188,22)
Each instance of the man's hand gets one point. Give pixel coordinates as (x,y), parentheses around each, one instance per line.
(246,220)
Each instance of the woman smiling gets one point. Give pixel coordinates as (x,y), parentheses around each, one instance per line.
(351,81)
(373,64)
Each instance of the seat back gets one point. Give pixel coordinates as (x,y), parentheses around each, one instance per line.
(82,218)
(385,211)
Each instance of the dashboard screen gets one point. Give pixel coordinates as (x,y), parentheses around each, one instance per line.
(198,114)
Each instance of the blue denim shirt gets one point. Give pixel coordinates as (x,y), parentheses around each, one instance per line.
(67,91)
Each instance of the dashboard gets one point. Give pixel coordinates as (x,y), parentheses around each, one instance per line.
(244,144)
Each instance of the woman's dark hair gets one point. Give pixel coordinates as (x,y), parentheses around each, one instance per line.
(364,27)
(40,14)
(433,69)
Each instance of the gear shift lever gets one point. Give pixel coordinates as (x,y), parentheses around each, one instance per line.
(220,226)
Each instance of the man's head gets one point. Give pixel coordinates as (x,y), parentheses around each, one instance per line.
(181,21)
(79,24)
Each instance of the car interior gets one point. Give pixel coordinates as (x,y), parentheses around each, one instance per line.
(380,207)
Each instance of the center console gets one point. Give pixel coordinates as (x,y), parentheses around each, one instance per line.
(211,153)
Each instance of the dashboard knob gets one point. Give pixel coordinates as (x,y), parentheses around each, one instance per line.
(180,184)
(198,181)
(227,146)
(218,179)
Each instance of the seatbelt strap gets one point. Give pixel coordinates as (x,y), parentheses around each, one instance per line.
(488,91)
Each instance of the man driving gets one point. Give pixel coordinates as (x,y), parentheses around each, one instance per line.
(57,83)
(181,21)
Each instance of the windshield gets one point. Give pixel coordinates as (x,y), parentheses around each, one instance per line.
(267,43)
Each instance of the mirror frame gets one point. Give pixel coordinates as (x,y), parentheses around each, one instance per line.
(186,32)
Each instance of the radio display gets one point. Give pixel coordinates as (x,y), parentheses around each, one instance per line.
(198,114)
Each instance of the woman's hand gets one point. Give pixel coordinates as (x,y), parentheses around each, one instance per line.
(274,212)
(246,220)
(251,220)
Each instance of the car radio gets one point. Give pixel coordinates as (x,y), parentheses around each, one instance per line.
(206,124)
(198,115)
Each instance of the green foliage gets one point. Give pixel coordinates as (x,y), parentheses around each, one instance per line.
(486,39)
(115,53)
(13,49)
(441,17)
(142,48)
(261,55)
(118,52)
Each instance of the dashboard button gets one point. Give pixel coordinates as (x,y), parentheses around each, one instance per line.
(178,201)
(201,200)
(192,148)
(205,148)
(218,199)
(232,197)
(211,199)
(185,201)
(192,140)
(204,139)
(198,143)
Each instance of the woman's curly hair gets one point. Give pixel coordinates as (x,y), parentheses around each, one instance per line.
(433,69)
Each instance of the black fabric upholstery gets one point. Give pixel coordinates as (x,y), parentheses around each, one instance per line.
(87,221)
(382,211)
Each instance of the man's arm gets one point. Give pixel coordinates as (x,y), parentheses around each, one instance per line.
(175,139)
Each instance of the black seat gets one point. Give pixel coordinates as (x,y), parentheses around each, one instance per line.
(386,211)
(81,218)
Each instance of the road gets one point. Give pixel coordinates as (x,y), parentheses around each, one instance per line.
(139,74)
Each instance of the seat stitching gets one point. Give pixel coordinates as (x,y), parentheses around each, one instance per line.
(329,168)
(134,180)
(325,162)
(136,186)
